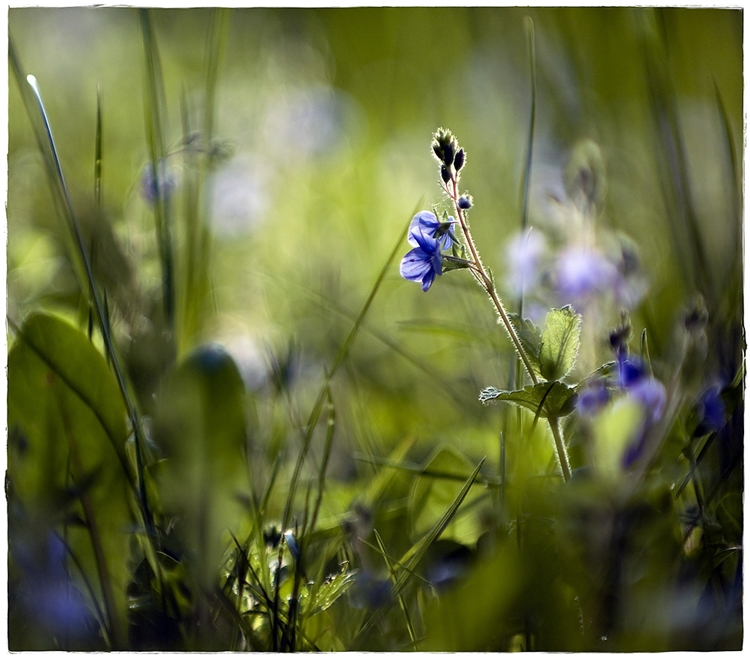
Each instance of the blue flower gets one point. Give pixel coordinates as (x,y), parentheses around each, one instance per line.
(629,370)
(582,274)
(592,399)
(156,186)
(711,411)
(650,396)
(641,387)
(428,223)
(425,261)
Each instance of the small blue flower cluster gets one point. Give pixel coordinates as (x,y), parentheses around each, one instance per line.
(633,380)
(430,237)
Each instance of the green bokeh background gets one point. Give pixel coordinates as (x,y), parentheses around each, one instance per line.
(328,114)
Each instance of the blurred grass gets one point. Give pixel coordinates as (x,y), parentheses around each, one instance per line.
(327,114)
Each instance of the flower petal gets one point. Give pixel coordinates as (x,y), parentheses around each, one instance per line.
(415,265)
(428,279)
(426,243)
(424,222)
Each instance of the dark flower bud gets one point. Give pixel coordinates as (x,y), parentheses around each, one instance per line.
(438,150)
(444,174)
(448,154)
(697,317)
(618,339)
(464,202)
(458,162)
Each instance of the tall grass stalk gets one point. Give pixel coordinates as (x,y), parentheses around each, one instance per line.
(155,109)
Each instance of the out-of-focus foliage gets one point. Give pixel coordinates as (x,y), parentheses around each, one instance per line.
(243,178)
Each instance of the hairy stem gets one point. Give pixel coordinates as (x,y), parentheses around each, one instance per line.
(480,274)
(562,453)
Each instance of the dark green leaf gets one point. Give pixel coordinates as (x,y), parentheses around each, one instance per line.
(551,398)
(67,422)
(200,426)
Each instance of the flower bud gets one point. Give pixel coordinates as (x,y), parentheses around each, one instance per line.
(464,202)
(459,160)
(444,174)
(448,154)
(618,339)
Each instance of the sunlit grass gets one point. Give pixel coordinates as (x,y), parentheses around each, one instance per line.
(259,436)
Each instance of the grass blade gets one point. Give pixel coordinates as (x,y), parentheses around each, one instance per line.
(416,553)
(98,155)
(342,353)
(154,128)
(401,601)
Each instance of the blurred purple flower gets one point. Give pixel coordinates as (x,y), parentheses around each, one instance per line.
(425,261)
(157,186)
(582,273)
(629,370)
(644,389)
(711,411)
(592,399)
(650,396)
(428,223)
(524,254)
(47,591)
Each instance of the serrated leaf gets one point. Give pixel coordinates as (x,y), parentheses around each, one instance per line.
(561,339)
(530,336)
(547,399)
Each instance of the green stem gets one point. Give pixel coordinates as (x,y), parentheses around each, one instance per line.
(480,274)
(562,453)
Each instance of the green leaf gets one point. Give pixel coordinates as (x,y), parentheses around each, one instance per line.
(329,591)
(530,336)
(199,424)
(560,342)
(450,263)
(66,457)
(547,399)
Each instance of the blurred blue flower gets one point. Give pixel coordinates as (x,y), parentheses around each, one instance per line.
(157,186)
(524,254)
(370,591)
(429,225)
(425,261)
(582,273)
(650,395)
(47,592)
(629,370)
(592,399)
(643,388)
(711,411)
